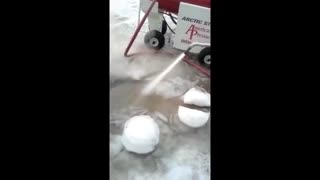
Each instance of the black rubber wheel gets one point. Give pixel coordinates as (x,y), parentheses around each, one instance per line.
(154,39)
(204,57)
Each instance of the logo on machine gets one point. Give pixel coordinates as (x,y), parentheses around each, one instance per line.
(193,30)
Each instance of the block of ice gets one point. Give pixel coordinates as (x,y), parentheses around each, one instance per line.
(192,117)
(141,134)
(197,96)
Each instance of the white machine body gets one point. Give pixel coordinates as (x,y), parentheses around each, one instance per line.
(193,24)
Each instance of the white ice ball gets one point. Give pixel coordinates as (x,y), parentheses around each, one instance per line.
(197,96)
(192,117)
(141,134)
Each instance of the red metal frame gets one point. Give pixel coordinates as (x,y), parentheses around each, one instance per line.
(198,67)
(186,59)
(173,5)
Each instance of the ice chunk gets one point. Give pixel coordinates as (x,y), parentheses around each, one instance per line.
(193,118)
(141,134)
(197,96)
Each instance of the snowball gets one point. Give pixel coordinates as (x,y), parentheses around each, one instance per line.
(141,134)
(197,96)
(193,118)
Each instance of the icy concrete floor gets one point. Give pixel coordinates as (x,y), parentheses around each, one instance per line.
(183,152)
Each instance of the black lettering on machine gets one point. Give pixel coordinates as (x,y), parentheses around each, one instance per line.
(192,20)
(207,23)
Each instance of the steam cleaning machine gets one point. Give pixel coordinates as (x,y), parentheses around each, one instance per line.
(192,27)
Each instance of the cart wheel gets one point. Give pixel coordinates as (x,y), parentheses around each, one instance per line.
(205,57)
(154,39)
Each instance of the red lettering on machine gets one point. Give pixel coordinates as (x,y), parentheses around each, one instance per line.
(193,31)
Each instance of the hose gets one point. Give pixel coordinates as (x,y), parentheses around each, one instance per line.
(168,25)
(172,18)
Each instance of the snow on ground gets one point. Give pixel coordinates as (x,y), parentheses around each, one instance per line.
(183,152)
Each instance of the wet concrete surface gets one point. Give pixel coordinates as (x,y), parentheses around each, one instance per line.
(179,145)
